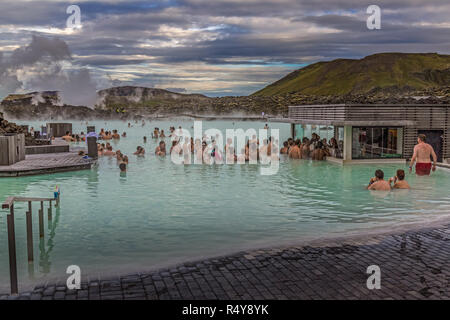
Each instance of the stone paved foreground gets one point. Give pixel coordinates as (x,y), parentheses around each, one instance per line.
(414,265)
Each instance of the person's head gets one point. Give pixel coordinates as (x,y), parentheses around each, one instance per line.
(123,167)
(162,144)
(285,144)
(319,145)
(109,148)
(400,174)
(67,133)
(421,138)
(379,174)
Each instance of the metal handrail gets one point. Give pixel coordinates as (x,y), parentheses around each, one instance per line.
(9,204)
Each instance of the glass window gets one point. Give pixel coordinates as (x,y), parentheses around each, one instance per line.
(377,142)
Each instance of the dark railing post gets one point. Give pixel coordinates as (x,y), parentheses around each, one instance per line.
(29,236)
(50,210)
(12,251)
(41,220)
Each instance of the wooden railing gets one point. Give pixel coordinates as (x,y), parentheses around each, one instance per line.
(9,204)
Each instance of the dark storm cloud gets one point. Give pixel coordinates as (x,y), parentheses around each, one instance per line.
(228,41)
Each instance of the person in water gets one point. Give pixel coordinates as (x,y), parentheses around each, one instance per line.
(162,135)
(109,151)
(68,137)
(422,156)
(399,180)
(285,148)
(123,167)
(161,149)
(139,151)
(155,133)
(115,135)
(294,151)
(378,182)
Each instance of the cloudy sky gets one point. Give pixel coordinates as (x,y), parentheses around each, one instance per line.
(214,47)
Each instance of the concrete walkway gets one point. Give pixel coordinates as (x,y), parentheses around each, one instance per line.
(414,265)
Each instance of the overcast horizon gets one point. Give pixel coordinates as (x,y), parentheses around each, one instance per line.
(216,48)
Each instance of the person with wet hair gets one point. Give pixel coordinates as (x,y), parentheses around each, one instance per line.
(294,151)
(399,180)
(161,149)
(139,151)
(285,148)
(378,182)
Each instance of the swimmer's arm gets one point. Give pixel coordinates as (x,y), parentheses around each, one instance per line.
(413,159)
(433,154)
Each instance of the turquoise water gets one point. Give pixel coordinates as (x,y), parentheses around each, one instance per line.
(162,213)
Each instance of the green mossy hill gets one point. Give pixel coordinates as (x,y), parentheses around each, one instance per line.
(393,73)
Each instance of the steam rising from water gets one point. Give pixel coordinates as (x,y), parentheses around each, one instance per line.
(46,64)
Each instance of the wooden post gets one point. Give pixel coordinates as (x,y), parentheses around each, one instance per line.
(41,220)
(29,235)
(12,251)
(50,210)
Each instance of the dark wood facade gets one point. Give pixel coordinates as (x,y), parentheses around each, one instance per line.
(414,119)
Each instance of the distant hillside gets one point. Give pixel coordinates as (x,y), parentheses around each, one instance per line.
(393,73)
(142,97)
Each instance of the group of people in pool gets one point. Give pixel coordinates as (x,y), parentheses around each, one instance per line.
(68,137)
(423,153)
(207,150)
(314,148)
(108,135)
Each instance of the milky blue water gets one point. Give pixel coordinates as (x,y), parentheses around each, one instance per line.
(162,213)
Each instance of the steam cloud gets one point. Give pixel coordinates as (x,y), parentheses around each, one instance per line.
(45,64)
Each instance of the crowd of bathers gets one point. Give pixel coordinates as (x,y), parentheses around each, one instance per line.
(314,148)
(74,137)
(208,150)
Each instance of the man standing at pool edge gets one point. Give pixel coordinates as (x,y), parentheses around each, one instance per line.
(422,156)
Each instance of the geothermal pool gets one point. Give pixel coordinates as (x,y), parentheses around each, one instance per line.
(162,213)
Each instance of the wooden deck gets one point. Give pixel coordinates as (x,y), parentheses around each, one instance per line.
(45,164)
(10,201)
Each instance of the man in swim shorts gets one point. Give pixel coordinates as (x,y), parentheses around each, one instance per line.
(422,156)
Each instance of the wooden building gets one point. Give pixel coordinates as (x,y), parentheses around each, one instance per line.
(58,130)
(374,132)
(12,148)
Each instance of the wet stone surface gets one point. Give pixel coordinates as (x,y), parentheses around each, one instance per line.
(414,265)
